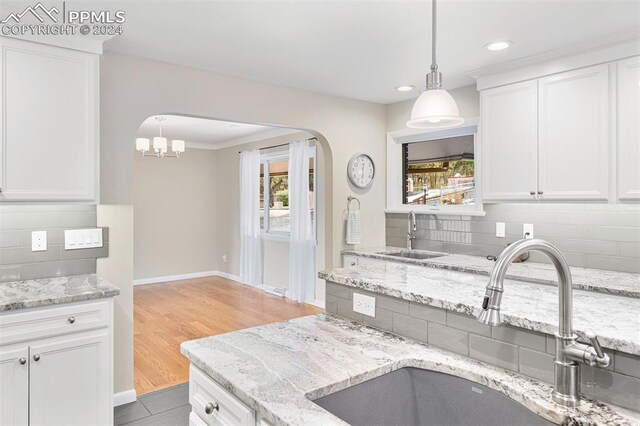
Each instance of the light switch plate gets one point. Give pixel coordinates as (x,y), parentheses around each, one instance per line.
(528,227)
(75,239)
(39,241)
(364,304)
(500,230)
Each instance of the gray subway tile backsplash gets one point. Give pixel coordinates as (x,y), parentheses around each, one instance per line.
(524,351)
(601,236)
(494,352)
(17,221)
(449,338)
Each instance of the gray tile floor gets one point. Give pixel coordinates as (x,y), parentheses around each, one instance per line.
(166,407)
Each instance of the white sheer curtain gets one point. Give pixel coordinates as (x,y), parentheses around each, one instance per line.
(250,235)
(302,256)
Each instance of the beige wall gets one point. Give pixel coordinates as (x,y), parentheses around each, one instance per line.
(175,214)
(132,89)
(118,269)
(467,98)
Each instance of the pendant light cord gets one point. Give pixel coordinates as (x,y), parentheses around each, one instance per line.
(434,66)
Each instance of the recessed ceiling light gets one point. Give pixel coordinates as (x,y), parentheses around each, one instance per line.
(406,88)
(498,45)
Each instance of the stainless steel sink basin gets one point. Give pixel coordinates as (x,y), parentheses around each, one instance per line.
(413,255)
(411,396)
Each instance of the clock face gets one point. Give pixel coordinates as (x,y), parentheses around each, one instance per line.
(361,170)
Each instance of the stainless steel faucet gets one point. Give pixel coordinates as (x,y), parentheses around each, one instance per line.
(411,228)
(569,352)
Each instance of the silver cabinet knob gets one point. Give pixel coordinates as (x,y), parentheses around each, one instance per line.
(71,320)
(36,357)
(532,192)
(353,263)
(540,192)
(22,361)
(211,407)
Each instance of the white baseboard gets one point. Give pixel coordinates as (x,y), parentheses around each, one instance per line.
(227,276)
(319,303)
(168,278)
(264,287)
(125,397)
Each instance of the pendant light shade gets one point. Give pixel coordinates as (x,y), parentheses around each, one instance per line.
(435,108)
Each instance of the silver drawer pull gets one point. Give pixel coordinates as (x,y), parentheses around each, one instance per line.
(71,320)
(36,357)
(22,361)
(210,407)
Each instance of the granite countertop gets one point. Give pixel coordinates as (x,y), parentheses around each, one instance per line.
(279,368)
(16,295)
(531,306)
(598,280)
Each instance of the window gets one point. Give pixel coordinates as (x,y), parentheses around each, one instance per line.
(274,194)
(439,172)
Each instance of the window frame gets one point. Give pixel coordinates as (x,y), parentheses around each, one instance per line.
(278,156)
(395,166)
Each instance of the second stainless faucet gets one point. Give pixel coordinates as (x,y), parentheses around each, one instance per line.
(412,226)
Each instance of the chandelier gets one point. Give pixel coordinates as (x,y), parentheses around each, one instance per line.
(160,144)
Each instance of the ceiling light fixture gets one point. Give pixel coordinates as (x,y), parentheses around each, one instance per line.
(498,45)
(406,88)
(160,144)
(435,108)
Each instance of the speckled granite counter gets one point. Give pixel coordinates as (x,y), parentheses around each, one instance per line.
(598,280)
(614,319)
(279,368)
(49,291)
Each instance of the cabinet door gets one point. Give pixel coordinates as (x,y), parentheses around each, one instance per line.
(628,114)
(574,135)
(70,383)
(14,386)
(49,122)
(508,142)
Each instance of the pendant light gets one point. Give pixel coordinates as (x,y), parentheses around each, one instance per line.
(435,108)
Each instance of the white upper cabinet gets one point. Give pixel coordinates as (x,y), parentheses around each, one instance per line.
(509,141)
(573,137)
(628,114)
(49,122)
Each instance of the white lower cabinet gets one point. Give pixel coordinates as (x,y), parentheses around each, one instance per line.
(14,385)
(61,375)
(212,404)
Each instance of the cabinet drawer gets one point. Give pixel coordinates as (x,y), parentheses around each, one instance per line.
(53,321)
(229,410)
(195,420)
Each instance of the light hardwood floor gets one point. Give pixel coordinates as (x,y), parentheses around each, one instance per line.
(168,314)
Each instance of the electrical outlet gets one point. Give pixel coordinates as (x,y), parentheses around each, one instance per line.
(527,231)
(39,241)
(364,304)
(224,258)
(500,230)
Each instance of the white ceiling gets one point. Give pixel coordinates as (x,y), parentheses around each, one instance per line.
(359,49)
(209,134)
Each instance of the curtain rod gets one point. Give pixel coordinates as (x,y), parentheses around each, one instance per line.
(283,144)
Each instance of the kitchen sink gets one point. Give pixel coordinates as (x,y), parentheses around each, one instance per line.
(413,255)
(412,396)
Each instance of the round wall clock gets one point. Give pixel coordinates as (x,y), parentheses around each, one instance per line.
(361,170)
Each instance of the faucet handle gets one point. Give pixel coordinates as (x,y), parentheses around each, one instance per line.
(595,343)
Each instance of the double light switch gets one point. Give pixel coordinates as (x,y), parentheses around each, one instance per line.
(82,238)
